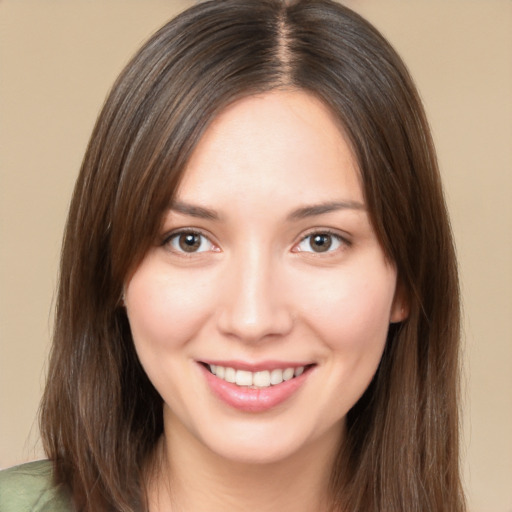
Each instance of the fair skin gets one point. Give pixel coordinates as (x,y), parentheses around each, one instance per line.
(267,269)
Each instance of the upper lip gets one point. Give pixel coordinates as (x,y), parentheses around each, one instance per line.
(256,366)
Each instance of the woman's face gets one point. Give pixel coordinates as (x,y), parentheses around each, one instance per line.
(267,273)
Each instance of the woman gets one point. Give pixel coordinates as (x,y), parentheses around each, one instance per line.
(258,306)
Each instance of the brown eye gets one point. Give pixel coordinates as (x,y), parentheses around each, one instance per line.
(320,242)
(189,242)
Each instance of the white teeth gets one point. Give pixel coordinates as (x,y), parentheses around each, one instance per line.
(243,378)
(230,375)
(288,374)
(262,379)
(276,377)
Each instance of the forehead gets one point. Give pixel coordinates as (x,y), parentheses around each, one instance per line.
(284,143)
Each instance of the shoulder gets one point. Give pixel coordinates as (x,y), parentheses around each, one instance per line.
(30,488)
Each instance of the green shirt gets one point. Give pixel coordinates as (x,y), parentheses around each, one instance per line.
(30,488)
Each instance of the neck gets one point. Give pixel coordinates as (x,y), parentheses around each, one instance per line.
(191,477)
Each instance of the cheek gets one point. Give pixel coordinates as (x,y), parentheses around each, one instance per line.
(164,310)
(352,322)
(351,309)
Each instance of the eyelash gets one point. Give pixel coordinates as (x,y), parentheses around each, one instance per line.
(167,241)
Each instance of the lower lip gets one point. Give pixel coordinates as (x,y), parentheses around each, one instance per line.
(254,400)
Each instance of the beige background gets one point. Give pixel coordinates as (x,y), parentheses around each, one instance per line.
(57,62)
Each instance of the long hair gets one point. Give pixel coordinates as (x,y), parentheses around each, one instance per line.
(100,415)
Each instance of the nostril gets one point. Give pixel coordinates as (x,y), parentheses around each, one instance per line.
(252,324)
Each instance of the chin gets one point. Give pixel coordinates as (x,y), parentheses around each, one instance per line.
(270,444)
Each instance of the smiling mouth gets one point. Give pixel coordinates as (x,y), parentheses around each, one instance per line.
(256,380)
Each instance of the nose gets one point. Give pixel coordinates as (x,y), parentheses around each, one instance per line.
(254,302)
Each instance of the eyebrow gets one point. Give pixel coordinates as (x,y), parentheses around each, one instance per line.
(304,212)
(194,211)
(320,209)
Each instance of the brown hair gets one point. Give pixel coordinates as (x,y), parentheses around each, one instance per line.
(100,415)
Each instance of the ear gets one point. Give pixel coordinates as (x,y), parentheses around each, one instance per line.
(400,306)
(120,302)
